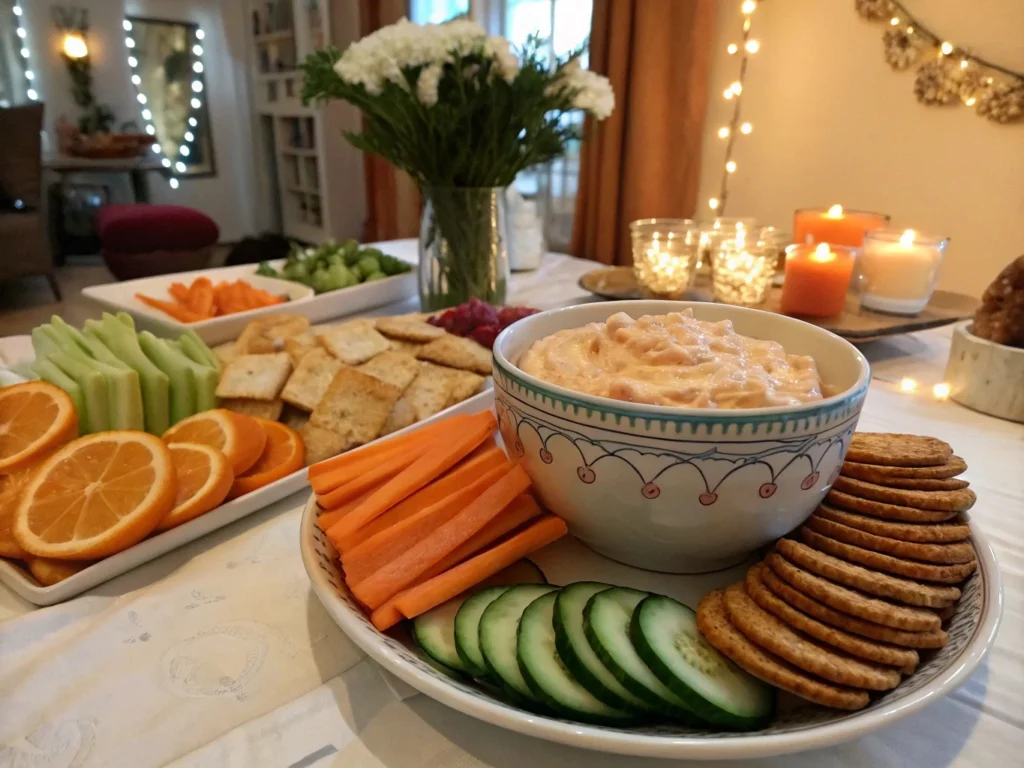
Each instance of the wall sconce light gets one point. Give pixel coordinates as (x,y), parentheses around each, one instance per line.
(74,45)
(74,24)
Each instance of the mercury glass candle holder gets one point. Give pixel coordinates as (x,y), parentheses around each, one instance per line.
(712,232)
(665,252)
(743,266)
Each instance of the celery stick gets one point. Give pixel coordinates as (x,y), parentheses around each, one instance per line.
(196,348)
(88,344)
(154,383)
(47,371)
(24,369)
(172,363)
(124,317)
(94,390)
(204,377)
(44,341)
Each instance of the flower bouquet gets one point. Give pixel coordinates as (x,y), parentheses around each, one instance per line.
(462,114)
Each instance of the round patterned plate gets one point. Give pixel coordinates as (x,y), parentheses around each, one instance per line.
(798,725)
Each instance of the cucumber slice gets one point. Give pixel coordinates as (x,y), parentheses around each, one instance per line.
(94,391)
(467,629)
(606,623)
(434,633)
(523,571)
(579,657)
(547,676)
(499,626)
(665,635)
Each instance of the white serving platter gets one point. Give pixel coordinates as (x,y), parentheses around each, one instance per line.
(120,297)
(21,582)
(798,726)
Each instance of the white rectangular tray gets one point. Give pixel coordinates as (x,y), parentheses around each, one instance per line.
(120,297)
(18,579)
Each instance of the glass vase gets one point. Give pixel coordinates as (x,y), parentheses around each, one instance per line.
(463,247)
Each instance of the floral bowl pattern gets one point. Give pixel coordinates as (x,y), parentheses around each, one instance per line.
(680,490)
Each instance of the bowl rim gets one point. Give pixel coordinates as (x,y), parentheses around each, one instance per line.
(673,413)
(965,329)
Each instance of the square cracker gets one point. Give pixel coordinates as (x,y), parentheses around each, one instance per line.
(312,376)
(355,406)
(320,443)
(261,409)
(409,347)
(252,341)
(293,417)
(465,384)
(409,329)
(430,392)
(298,346)
(457,352)
(226,352)
(280,327)
(402,415)
(257,377)
(396,368)
(353,344)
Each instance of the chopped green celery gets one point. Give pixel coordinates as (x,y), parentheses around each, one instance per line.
(94,390)
(204,377)
(198,349)
(24,369)
(172,363)
(124,317)
(44,341)
(88,344)
(120,339)
(48,371)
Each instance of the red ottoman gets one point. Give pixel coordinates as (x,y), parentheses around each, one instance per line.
(142,240)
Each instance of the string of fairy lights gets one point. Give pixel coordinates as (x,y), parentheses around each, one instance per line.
(182,153)
(734,93)
(26,54)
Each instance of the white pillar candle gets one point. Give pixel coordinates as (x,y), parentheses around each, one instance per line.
(898,270)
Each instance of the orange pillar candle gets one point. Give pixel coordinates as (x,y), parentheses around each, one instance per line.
(835,226)
(817,278)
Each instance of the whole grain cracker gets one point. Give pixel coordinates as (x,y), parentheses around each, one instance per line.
(402,415)
(226,352)
(409,329)
(953,552)
(281,327)
(251,340)
(887,511)
(713,623)
(922,532)
(355,407)
(947,613)
(261,409)
(257,377)
(896,450)
(936,638)
(911,569)
(905,659)
(457,352)
(293,417)
(872,582)
(876,473)
(299,346)
(396,368)
(850,601)
(465,384)
(923,484)
(776,637)
(310,380)
(430,392)
(940,501)
(409,347)
(320,443)
(353,344)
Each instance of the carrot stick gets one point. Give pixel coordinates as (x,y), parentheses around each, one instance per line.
(462,473)
(329,517)
(403,571)
(383,446)
(326,482)
(180,292)
(432,592)
(200,296)
(176,311)
(523,509)
(424,470)
(385,470)
(379,550)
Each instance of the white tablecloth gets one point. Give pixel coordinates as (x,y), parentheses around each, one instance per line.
(219,654)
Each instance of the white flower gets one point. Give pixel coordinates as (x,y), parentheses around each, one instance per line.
(506,62)
(593,92)
(426,86)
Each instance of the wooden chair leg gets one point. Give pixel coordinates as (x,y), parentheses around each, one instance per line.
(54,286)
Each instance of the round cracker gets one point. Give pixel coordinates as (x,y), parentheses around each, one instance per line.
(892,529)
(905,659)
(877,473)
(947,613)
(850,601)
(895,450)
(951,553)
(713,623)
(943,574)
(872,582)
(792,596)
(887,511)
(923,484)
(775,636)
(941,501)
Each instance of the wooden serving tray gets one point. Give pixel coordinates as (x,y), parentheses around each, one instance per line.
(856,323)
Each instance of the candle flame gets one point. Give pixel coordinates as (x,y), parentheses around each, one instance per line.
(822,253)
(835,212)
(907,238)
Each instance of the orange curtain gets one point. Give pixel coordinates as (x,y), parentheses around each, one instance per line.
(644,160)
(392,199)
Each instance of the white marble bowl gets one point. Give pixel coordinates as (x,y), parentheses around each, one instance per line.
(680,490)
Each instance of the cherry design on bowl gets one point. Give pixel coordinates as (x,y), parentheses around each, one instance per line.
(545,456)
(767,490)
(586,474)
(707,499)
(650,491)
(809,481)
(519,447)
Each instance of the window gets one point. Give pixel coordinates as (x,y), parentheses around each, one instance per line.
(436,11)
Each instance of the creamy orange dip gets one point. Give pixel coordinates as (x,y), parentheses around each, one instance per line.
(673,360)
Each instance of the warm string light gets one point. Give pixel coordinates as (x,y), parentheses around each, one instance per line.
(22,34)
(734,94)
(184,150)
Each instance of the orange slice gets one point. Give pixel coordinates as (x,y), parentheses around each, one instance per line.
(204,479)
(34,416)
(237,436)
(50,572)
(284,453)
(11,487)
(96,496)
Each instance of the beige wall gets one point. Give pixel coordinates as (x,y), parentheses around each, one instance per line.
(833,123)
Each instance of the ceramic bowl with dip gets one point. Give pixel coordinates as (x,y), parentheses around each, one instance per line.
(678,488)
